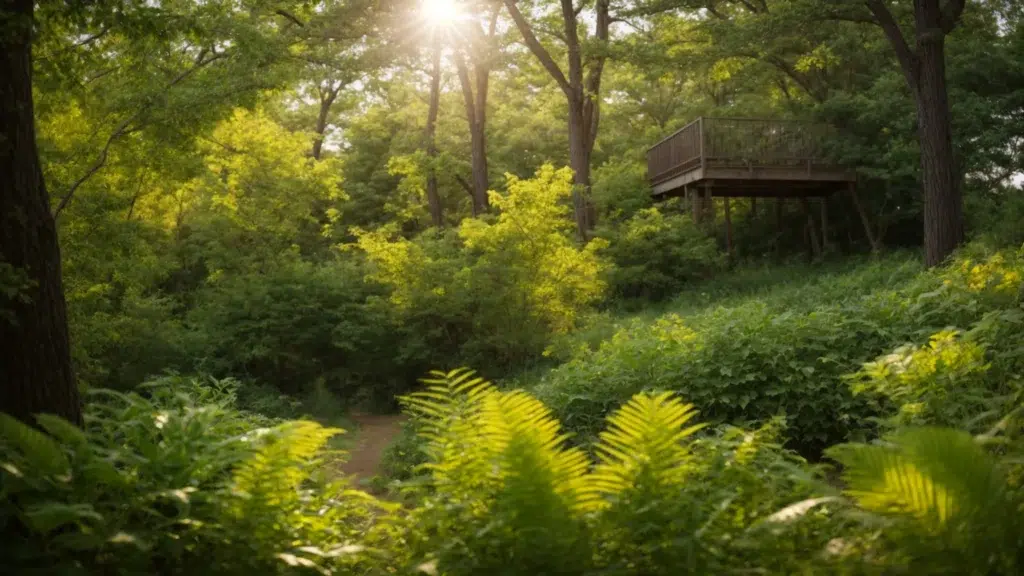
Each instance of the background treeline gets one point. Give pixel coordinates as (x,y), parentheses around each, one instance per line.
(254,192)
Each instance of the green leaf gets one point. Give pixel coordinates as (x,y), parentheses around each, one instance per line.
(62,430)
(38,449)
(45,518)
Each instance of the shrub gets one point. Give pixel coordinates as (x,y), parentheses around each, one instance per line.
(656,254)
(298,324)
(781,353)
(179,482)
(946,505)
(935,384)
(507,497)
(492,292)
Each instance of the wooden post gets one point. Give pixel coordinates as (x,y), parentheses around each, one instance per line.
(728,228)
(876,243)
(824,223)
(709,205)
(700,133)
(810,229)
(778,225)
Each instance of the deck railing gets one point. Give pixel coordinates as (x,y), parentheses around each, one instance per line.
(742,141)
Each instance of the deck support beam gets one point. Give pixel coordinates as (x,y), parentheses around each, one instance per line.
(824,223)
(876,244)
(728,228)
(810,229)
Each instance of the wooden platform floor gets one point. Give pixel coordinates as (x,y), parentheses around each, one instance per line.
(765,181)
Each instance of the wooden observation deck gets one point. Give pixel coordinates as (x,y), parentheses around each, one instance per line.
(750,158)
(741,157)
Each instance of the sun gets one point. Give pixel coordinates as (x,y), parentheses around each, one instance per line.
(441,12)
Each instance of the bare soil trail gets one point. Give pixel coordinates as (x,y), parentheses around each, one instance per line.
(374,434)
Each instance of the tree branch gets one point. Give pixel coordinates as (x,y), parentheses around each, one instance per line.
(465,185)
(125,127)
(535,46)
(906,58)
(290,16)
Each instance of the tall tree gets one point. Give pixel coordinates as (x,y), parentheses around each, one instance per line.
(35,367)
(924,68)
(474,79)
(433,196)
(582,89)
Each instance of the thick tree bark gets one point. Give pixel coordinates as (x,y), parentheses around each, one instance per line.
(433,196)
(579,161)
(940,180)
(924,68)
(35,364)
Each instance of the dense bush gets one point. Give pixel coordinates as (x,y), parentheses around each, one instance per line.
(656,254)
(782,354)
(299,324)
(176,482)
(492,292)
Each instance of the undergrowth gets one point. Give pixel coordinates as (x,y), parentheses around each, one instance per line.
(785,349)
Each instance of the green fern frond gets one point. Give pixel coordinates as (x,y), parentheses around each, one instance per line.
(274,473)
(477,436)
(449,405)
(938,477)
(645,436)
(518,421)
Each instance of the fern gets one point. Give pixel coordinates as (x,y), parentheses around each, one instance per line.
(274,473)
(506,491)
(644,438)
(937,483)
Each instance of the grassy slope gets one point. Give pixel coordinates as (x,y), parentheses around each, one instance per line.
(761,342)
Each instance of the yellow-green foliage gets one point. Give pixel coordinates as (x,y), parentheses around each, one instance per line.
(532,235)
(657,253)
(260,193)
(180,482)
(935,384)
(947,502)
(507,496)
(494,289)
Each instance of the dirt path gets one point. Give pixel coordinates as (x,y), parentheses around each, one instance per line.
(374,434)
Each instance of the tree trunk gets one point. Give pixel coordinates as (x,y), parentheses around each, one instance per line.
(579,161)
(582,96)
(940,182)
(326,101)
(924,69)
(433,196)
(476,118)
(481,180)
(35,365)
